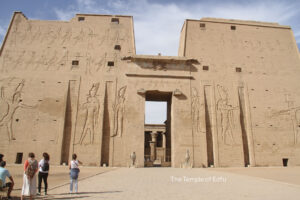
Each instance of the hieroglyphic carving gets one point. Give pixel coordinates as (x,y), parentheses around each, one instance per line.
(101,62)
(63,60)
(88,64)
(66,36)
(35,36)
(294,114)
(91,37)
(51,61)
(118,109)
(196,110)
(227,117)
(41,61)
(50,35)
(7,60)
(91,108)
(12,102)
(30,61)
(19,59)
(79,37)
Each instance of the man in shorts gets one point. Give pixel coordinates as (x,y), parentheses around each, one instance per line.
(3,174)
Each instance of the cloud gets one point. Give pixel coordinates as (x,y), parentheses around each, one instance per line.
(2,33)
(157,26)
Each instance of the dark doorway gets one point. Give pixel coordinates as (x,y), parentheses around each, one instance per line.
(19,158)
(158,133)
(285,162)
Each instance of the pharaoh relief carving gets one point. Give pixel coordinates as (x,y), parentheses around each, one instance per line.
(118,109)
(294,114)
(10,102)
(227,116)
(196,110)
(91,108)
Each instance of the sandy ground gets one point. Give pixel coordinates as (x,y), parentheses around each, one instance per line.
(274,183)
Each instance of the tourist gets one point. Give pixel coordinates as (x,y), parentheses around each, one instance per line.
(29,179)
(1,157)
(74,172)
(43,172)
(3,174)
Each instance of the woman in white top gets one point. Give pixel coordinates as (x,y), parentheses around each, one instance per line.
(74,172)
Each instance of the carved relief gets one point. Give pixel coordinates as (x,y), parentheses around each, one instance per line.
(101,62)
(30,60)
(159,66)
(118,109)
(52,60)
(226,112)
(66,36)
(19,59)
(36,35)
(91,108)
(79,37)
(10,103)
(91,37)
(7,60)
(89,63)
(294,113)
(63,60)
(196,110)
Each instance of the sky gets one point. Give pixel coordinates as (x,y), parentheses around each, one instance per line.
(157,24)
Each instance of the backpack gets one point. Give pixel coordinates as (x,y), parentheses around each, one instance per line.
(31,169)
(45,166)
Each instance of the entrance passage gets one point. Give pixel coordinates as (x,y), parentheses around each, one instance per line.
(19,158)
(157,129)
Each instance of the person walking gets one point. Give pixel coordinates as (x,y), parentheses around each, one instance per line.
(44,167)
(3,174)
(29,179)
(74,172)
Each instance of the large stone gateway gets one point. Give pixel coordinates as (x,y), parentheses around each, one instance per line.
(232,93)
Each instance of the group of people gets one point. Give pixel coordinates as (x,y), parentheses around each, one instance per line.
(31,167)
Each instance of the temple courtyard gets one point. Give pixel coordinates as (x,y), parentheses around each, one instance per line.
(171,183)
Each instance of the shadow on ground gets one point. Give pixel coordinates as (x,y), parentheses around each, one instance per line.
(78,195)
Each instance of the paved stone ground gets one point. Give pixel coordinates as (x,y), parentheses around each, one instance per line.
(172,183)
(59,175)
